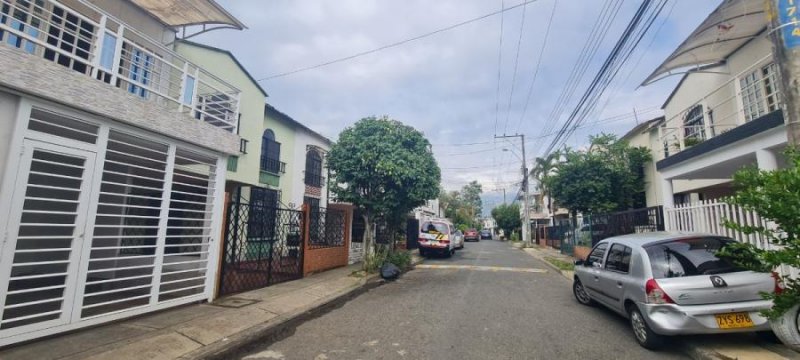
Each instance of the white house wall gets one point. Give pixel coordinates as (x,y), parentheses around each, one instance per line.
(302,139)
(8,117)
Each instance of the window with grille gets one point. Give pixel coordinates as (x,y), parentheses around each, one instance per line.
(760,93)
(694,124)
(313,169)
(261,222)
(270,153)
(316,232)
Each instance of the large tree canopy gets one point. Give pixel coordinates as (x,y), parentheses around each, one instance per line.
(607,177)
(463,207)
(384,167)
(507,217)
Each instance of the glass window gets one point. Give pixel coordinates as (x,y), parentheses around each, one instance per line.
(596,256)
(430,227)
(270,153)
(694,124)
(759,92)
(689,257)
(619,258)
(107,53)
(188,90)
(313,169)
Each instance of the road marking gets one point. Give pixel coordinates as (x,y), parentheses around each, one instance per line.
(480,268)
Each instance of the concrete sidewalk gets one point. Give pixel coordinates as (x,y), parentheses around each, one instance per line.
(204,331)
(706,347)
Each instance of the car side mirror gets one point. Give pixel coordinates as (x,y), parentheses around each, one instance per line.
(579,262)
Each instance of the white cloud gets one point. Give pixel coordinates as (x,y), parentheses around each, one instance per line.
(443,85)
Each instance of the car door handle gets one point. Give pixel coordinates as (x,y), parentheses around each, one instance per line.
(619,283)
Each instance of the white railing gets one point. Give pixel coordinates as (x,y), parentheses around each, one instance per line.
(98,45)
(725,107)
(710,216)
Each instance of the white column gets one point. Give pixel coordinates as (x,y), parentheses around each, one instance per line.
(666,193)
(766,160)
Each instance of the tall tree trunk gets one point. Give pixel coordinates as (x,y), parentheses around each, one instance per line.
(368,240)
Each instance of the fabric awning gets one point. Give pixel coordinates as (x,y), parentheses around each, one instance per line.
(731,25)
(189,12)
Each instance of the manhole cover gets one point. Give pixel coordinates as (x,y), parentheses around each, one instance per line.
(233,302)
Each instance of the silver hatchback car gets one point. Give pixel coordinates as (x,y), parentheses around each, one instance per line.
(672,283)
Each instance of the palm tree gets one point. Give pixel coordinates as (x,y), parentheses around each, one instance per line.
(543,169)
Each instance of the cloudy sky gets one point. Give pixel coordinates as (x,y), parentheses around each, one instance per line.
(445,85)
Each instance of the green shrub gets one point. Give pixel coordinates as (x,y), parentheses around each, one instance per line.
(372,263)
(515,236)
(774,195)
(400,258)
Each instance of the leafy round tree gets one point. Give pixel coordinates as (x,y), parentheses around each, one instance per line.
(385,168)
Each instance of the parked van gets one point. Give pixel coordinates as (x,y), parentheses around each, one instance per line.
(439,236)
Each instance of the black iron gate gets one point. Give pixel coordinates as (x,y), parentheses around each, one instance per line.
(263,246)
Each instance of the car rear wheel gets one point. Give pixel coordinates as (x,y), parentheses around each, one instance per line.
(580,293)
(641,331)
(787,328)
(422,252)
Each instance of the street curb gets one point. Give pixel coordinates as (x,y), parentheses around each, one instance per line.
(548,264)
(697,353)
(279,327)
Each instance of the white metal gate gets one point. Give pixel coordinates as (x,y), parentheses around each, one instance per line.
(49,209)
(105,223)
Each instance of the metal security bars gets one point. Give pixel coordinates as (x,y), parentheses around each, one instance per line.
(96,44)
(105,222)
(263,246)
(326,227)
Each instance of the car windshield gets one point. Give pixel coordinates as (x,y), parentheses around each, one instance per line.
(485,232)
(689,257)
(430,227)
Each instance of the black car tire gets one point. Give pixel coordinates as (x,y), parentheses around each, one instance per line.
(448,253)
(423,252)
(642,332)
(580,293)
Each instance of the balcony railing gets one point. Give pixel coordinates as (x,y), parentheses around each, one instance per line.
(96,44)
(273,166)
(314,180)
(746,96)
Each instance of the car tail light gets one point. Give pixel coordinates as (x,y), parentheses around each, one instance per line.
(779,286)
(655,294)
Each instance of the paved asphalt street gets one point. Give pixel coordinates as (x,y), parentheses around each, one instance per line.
(466,313)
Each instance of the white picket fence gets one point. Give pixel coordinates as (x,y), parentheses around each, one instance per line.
(708,217)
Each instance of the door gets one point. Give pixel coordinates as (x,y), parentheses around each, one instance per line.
(595,263)
(45,234)
(616,275)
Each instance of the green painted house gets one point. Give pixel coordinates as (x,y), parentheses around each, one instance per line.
(265,155)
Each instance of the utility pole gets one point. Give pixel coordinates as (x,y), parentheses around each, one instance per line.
(785,35)
(526,221)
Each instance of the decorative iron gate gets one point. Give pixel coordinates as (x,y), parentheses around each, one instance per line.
(263,246)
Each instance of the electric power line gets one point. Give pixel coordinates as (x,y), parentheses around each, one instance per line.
(395,44)
(538,64)
(516,63)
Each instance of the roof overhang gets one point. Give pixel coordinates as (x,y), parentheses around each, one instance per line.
(181,13)
(729,27)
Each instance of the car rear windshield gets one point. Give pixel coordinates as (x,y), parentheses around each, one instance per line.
(485,232)
(429,227)
(689,257)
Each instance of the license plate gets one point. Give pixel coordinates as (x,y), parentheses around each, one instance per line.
(734,320)
(434,242)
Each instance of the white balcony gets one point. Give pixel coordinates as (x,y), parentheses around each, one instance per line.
(746,96)
(96,44)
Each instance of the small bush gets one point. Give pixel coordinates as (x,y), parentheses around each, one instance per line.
(515,236)
(560,264)
(372,263)
(400,258)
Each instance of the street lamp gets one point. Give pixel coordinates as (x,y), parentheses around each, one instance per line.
(526,211)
